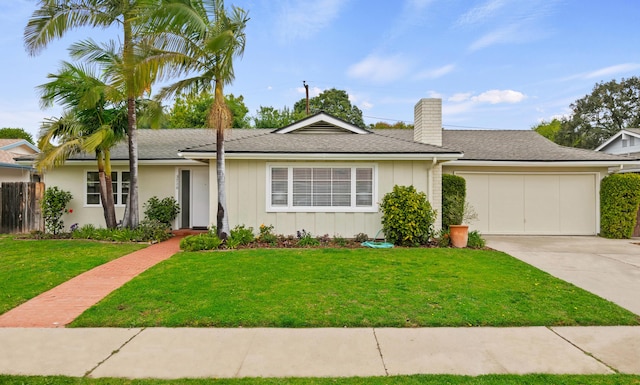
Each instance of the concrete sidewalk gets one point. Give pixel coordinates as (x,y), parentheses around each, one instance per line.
(226,353)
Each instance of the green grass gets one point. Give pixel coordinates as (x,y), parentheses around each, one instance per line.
(534,379)
(352,288)
(30,267)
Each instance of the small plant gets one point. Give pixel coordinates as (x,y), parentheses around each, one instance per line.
(151,230)
(475,240)
(241,235)
(267,236)
(54,205)
(200,242)
(444,238)
(361,237)
(407,216)
(305,239)
(340,241)
(165,210)
(84,232)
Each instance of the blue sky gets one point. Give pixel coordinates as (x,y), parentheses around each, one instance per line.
(499,64)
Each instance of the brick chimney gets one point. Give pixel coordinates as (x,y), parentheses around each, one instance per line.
(427,121)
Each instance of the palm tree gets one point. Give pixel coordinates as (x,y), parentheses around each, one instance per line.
(54,18)
(94,121)
(207,49)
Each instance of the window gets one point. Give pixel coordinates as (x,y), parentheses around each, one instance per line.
(312,188)
(119,183)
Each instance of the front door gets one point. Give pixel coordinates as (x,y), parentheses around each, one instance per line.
(194,198)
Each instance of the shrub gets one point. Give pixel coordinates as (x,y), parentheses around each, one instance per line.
(361,237)
(200,242)
(242,235)
(152,230)
(475,240)
(305,239)
(407,216)
(266,235)
(454,192)
(340,241)
(84,232)
(54,204)
(165,210)
(444,238)
(619,202)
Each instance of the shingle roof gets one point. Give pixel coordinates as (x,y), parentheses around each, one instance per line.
(511,145)
(267,142)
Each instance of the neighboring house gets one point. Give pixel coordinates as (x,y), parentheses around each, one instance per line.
(10,171)
(625,142)
(327,176)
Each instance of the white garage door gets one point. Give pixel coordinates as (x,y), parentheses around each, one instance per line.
(545,203)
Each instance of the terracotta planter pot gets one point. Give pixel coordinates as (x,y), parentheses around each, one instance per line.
(459,235)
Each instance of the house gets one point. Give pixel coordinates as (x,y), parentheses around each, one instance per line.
(327,176)
(624,142)
(10,171)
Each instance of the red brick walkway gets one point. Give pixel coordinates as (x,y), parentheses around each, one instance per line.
(64,303)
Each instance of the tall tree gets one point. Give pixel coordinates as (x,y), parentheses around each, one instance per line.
(95,120)
(548,129)
(334,102)
(207,54)
(269,117)
(191,111)
(610,107)
(15,133)
(137,20)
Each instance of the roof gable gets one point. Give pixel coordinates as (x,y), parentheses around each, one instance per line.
(620,135)
(20,146)
(321,123)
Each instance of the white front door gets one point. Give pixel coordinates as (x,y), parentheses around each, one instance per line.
(194,197)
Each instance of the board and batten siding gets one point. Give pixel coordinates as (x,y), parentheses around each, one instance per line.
(152,181)
(247,202)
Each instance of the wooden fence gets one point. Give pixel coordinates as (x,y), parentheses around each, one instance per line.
(20,207)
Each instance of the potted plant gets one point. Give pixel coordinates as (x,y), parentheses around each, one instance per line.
(457,216)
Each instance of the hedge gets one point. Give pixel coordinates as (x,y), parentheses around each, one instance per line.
(619,203)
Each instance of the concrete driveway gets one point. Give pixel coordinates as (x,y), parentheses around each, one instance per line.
(609,268)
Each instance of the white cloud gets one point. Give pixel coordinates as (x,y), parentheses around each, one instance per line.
(509,34)
(612,70)
(300,19)
(436,72)
(499,96)
(366,105)
(460,97)
(379,69)
(481,13)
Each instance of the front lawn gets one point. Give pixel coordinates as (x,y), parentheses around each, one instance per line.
(29,267)
(532,379)
(349,287)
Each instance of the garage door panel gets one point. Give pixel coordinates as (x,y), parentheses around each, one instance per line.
(541,211)
(578,204)
(541,203)
(478,198)
(506,204)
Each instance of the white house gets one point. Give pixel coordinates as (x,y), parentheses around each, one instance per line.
(327,176)
(624,142)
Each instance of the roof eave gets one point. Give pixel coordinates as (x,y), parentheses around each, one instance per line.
(542,163)
(324,156)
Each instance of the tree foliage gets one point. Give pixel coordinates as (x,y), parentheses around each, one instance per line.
(548,129)
(332,101)
(270,117)
(611,107)
(191,111)
(15,133)
(397,125)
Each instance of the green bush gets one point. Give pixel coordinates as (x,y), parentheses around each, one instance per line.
(454,193)
(54,205)
(475,240)
(619,202)
(165,210)
(152,230)
(407,216)
(305,239)
(148,231)
(200,242)
(267,236)
(242,235)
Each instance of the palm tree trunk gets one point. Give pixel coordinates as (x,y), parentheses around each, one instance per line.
(106,191)
(132,212)
(220,119)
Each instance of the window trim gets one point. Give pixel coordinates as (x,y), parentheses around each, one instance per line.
(118,193)
(321,209)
